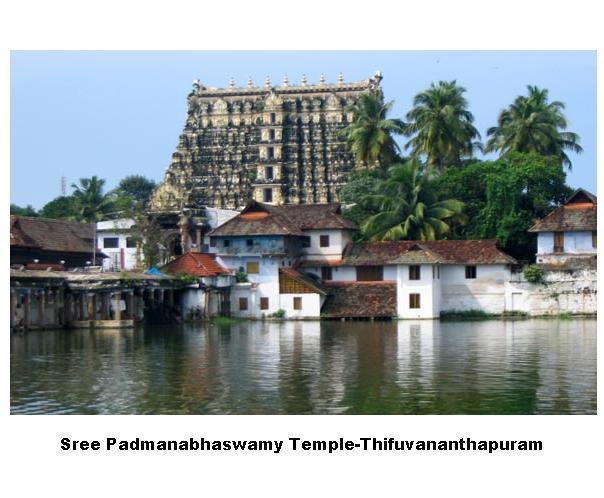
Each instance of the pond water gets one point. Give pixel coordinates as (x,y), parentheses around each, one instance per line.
(398,367)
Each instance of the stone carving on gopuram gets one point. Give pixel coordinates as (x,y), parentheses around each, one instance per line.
(275,144)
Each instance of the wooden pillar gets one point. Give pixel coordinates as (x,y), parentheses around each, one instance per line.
(41,307)
(171,297)
(92,307)
(27,309)
(13,307)
(117,312)
(130,305)
(67,303)
(161,296)
(58,300)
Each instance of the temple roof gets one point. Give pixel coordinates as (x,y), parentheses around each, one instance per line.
(196,264)
(288,219)
(578,213)
(426,252)
(51,235)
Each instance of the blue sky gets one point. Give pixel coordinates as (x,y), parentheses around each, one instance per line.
(77,114)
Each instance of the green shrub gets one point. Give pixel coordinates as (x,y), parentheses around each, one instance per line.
(240,276)
(187,279)
(533,274)
(278,314)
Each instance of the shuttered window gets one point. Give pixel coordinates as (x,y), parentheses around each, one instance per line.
(326,273)
(414,272)
(414,301)
(370,273)
(324,240)
(558,241)
(242,303)
(297,303)
(470,271)
(264,303)
(252,267)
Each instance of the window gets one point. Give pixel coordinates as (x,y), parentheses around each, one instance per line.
(273,118)
(324,241)
(268,172)
(326,273)
(370,273)
(212,242)
(271,134)
(414,272)
(306,242)
(242,303)
(130,242)
(111,242)
(594,239)
(270,152)
(471,271)
(249,242)
(227,242)
(267,195)
(558,241)
(297,303)
(252,267)
(264,303)
(414,301)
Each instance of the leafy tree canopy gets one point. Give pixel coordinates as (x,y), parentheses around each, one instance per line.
(62,207)
(28,210)
(134,188)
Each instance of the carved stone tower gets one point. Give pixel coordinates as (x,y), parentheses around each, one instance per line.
(275,144)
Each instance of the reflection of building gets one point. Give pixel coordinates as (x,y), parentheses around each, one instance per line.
(567,237)
(117,241)
(39,243)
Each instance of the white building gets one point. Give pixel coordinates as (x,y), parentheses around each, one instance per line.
(300,260)
(116,239)
(569,233)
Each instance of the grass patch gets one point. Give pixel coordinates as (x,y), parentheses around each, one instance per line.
(223,321)
(468,315)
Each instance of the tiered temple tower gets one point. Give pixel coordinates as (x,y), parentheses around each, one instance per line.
(274,144)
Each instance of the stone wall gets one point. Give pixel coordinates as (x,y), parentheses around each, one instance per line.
(562,291)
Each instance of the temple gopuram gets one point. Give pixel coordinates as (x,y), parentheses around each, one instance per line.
(274,144)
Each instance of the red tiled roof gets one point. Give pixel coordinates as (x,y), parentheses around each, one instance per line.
(51,235)
(360,300)
(417,252)
(580,212)
(288,219)
(196,264)
(303,279)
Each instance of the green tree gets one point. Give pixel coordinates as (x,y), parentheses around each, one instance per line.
(133,189)
(407,206)
(29,210)
(92,204)
(440,125)
(533,124)
(62,207)
(503,198)
(370,134)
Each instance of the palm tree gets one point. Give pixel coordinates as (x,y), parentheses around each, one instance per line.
(370,134)
(407,207)
(91,204)
(533,124)
(441,126)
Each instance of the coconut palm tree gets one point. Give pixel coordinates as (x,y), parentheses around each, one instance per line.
(441,126)
(91,203)
(370,134)
(533,124)
(407,207)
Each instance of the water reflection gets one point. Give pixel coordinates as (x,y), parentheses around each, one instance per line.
(536,366)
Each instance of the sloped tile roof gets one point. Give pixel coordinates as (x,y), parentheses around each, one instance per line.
(305,280)
(580,212)
(360,300)
(196,264)
(288,219)
(427,252)
(51,235)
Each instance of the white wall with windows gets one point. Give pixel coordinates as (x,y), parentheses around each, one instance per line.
(301,305)
(326,243)
(116,239)
(573,243)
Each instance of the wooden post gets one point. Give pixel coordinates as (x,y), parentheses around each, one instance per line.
(13,307)
(27,309)
(171,297)
(41,307)
(117,312)
(58,301)
(83,313)
(130,305)
(92,307)
(67,303)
